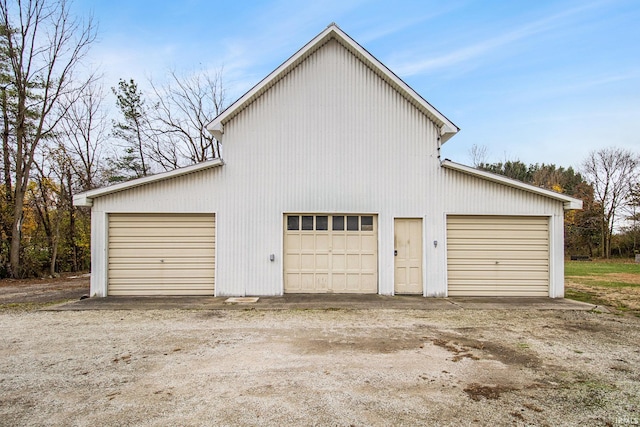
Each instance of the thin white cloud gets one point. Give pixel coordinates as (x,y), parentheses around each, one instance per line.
(476,50)
(389,28)
(574,86)
(600,81)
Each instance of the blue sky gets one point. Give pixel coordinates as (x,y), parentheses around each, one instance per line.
(537,81)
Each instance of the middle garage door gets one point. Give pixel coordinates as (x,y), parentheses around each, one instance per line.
(330,253)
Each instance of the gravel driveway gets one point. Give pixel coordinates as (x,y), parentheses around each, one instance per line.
(319,367)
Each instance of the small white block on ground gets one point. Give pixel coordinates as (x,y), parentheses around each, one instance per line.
(241,300)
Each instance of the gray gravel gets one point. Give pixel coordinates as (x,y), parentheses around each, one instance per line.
(316,367)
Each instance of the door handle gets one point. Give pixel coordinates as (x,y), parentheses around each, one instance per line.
(395,253)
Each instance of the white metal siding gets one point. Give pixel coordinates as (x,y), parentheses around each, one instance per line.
(330,136)
(161,254)
(498,256)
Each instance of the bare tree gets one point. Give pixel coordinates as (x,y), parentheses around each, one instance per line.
(6,196)
(83,132)
(44,46)
(76,157)
(48,198)
(478,154)
(611,172)
(183,107)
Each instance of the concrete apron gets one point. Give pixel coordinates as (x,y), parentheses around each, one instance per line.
(323,302)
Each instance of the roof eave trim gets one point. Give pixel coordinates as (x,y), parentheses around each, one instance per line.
(217,130)
(86,198)
(447,132)
(573,205)
(82,200)
(569,203)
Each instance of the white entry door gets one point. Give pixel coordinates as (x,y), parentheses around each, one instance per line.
(408,255)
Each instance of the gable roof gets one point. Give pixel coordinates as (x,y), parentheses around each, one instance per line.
(86,198)
(568,201)
(447,128)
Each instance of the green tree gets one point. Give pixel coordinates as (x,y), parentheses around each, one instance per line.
(511,169)
(134,130)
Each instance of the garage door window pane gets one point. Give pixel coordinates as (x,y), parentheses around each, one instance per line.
(338,223)
(307,223)
(293,223)
(367,223)
(322,223)
(352,223)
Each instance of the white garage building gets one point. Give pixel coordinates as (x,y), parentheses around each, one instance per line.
(331,182)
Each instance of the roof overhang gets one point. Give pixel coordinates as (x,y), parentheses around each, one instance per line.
(447,128)
(86,198)
(569,202)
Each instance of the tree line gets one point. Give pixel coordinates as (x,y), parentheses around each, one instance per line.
(60,138)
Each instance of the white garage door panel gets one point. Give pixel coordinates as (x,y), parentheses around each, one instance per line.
(497,256)
(331,257)
(161,254)
(184,274)
(503,291)
(505,236)
(137,264)
(505,255)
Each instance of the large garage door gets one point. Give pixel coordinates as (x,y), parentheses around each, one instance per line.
(331,253)
(498,256)
(161,254)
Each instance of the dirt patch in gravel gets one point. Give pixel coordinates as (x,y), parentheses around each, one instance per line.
(477,391)
(383,342)
(317,367)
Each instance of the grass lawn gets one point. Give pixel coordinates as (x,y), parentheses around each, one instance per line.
(614,283)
